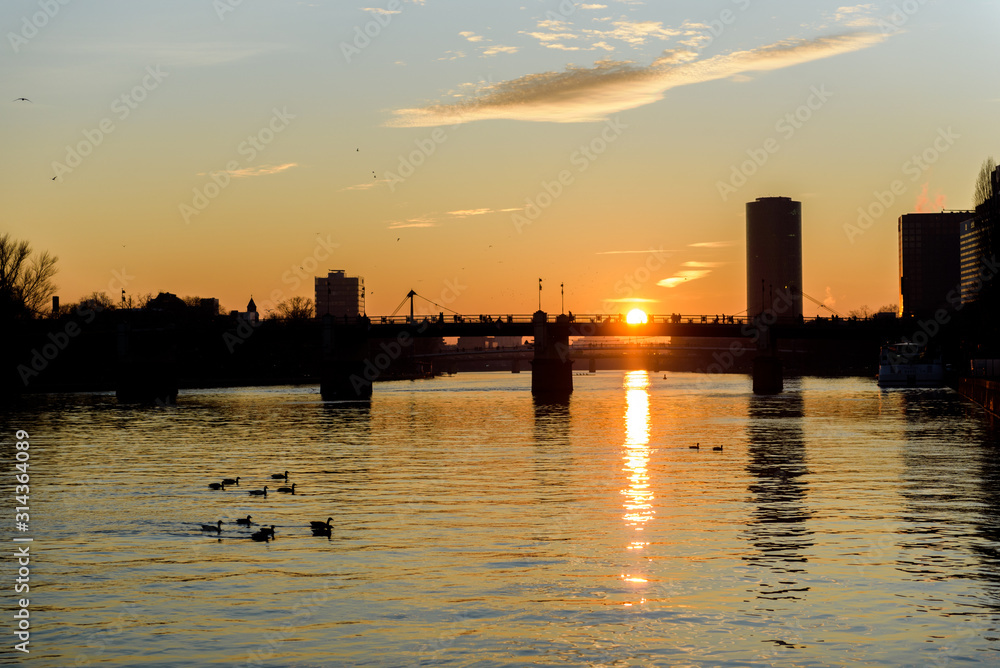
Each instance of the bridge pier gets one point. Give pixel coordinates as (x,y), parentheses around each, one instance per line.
(767,372)
(767,376)
(146,371)
(551,368)
(343,372)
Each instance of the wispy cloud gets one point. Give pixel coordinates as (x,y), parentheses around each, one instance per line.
(692,272)
(419,221)
(379,10)
(434,219)
(581,94)
(856,16)
(403,224)
(635,32)
(262,170)
(552,33)
(465,213)
(713,244)
(361,186)
(494,50)
(471,36)
(682,277)
(624,252)
(462,213)
(545,37)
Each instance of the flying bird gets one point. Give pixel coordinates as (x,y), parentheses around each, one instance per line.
(19,99)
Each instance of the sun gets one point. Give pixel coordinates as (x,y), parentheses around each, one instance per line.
(636,317)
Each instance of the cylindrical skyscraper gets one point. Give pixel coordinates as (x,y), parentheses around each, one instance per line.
(774,258)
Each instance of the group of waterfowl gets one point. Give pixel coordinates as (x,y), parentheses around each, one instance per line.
(255,492)
(697,446)
(265,534)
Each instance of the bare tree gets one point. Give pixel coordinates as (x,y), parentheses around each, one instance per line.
(984,182)
(295,308)
(862,312)
(26,285)
(97,301)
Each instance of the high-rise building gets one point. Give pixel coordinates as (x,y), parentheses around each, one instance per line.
(930,274)
(340,295)
(774,257)
(970,260)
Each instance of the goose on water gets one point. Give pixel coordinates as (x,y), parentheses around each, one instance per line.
(717,447)
(280,476)
(321,525)
(261,536)
(231,481)
(696,446)
(212,527)
(216,485)
(258,492)
(245,522)
(288,490)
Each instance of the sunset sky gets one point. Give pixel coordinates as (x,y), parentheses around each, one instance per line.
(465,149)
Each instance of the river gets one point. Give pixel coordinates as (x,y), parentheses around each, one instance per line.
(839,524)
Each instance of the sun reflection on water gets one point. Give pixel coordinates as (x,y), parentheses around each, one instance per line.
(638,497)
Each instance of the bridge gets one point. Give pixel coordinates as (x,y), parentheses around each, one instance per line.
(356,351)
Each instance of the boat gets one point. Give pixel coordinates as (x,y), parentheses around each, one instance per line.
(909,365)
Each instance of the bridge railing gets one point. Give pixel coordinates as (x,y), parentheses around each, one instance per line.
(596,318)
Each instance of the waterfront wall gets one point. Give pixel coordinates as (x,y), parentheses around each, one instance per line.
(984,392)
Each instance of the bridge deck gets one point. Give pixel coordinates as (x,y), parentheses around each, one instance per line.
(386,327)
